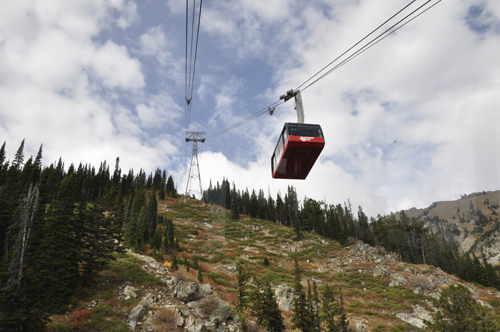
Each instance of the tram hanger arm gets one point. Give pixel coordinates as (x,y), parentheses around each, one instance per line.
(299,107)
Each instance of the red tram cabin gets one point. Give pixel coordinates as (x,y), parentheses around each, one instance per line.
(297,149)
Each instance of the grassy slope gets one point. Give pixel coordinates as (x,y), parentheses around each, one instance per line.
(207,233)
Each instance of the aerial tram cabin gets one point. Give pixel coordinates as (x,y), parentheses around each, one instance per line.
(298,147)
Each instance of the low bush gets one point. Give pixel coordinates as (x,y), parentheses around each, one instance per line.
(80,319)
(164,320)
(209,305)
(422,282)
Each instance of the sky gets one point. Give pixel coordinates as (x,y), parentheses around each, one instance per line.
(413,120)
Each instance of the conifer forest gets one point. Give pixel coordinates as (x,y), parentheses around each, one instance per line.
(61,225)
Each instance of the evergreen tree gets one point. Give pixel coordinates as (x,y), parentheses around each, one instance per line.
(17,163)
(56,261)
(142,228)
(175,265)
(170,187)
(235,213)
(200,275)
(301,315)
(330,310)
(254,205)
(243,278)
(266,261)
(458,312)
(18,305)
(265,307)
(152,212)
(99,236)
(156,243)
(2,156)
(343,322)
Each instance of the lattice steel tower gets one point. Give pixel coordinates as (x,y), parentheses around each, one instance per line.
(193,187)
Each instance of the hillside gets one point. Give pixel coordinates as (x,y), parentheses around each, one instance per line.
(380,292)
(472,220)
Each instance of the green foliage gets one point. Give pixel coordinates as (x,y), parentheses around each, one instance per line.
(200,275)
(175,265)
(266,261)
(243,278)
(264,306)
(458,311)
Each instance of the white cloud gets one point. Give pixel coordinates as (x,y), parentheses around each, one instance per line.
(430,88)
(410,121)
(155,43)
(82,98)
(128,14)
(115,68)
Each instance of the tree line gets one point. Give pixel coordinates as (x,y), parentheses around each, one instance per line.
(408,237)
(59,228)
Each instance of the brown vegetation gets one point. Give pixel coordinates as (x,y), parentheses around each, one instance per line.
(164,320)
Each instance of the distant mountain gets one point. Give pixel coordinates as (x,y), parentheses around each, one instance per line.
(473,221)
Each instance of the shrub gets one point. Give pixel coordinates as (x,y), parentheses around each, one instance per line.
(494,303)
(422,282)
(380,250)
(164,320)
(79,320)
(209,305)
(399,267)
(184,276)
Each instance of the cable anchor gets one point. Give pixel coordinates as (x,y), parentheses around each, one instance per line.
(298,103)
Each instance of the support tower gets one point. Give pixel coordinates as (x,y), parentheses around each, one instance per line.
(193,187)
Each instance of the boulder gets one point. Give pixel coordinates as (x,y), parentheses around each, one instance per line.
(318,282)
(381,270)
(360,327)
(397,280)
(130,291)
(417,317)
(185,291)
(284,297)
(135,313)
(213,308)
(203,291)
(229,268)
(194,324)
(185,311)
(410,319)
(191,291)
(148,325)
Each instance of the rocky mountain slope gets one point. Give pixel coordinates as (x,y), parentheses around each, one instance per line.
(473,220)
(138,293)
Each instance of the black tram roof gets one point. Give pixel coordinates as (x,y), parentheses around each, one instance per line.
(303,129)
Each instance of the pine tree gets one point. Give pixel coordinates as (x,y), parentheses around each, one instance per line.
(243,278)
(156,243)
(235,213)
(344,322)
(265,308)
(56,264)
(254,205)
(142,228)
(170,187)
(330,310)
(459,312)
(301,316)
(200,275)
(100,234)
(266,261)
(17,163)
(174,261)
